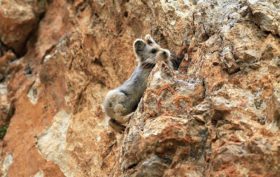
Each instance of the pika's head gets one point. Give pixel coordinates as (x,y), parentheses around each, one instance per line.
(146,50)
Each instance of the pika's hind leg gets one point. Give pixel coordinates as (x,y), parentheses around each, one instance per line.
(120,114)
(119,108)
(114,104)
(116,125)
(119,111)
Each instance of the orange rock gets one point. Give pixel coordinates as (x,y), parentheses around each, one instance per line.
(217,115)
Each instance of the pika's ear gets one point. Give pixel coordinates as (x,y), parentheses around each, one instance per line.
(138,45)
(150,40)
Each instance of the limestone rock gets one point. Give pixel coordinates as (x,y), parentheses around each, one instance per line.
(218,115)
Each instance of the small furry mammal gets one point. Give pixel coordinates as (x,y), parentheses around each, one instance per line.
(124,99)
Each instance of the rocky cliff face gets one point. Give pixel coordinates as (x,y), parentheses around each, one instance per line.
(219,115)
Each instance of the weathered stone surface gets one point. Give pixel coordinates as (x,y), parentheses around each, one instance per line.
(218,115)
(266,14)
(17,20)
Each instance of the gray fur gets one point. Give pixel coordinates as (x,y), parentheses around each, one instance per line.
(124,99)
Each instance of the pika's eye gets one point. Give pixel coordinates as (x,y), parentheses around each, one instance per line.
(154,51)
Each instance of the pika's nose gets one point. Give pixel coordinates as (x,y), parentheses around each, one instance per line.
(139,45)
(164,53)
